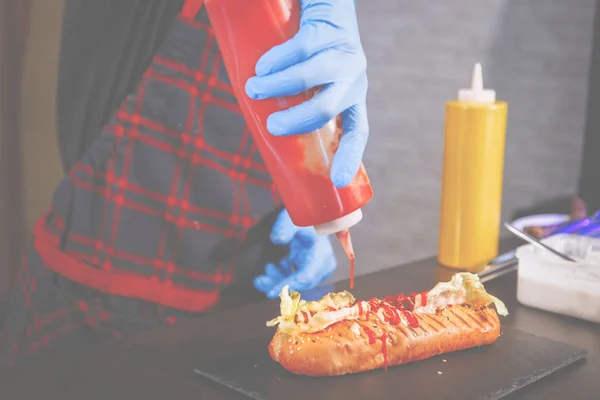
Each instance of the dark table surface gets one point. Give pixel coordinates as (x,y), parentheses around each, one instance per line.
(159,364)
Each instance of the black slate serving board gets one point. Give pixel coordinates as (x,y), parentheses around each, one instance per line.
(491,372)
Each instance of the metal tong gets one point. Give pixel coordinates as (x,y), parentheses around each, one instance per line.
(507,262)
(525,236)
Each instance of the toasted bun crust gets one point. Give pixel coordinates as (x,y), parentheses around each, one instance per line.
(343,348)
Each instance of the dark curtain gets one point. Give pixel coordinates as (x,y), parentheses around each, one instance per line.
(14,16)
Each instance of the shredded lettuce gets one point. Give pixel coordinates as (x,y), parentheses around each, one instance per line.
(463,288)
(329,301)
(288,307)
(290,302)
(325,310)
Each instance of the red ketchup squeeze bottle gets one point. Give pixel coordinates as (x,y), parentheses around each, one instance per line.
(299,165)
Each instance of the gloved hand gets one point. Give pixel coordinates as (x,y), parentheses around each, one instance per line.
(310,260)
(325,52)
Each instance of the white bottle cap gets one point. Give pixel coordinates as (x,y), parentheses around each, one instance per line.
(477,94)
(340,224)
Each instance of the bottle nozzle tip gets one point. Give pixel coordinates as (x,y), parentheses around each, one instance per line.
(476,93)
(477,79)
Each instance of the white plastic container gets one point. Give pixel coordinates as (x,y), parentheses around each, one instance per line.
(548,282)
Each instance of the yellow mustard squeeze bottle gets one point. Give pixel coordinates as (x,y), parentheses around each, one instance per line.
(475,137)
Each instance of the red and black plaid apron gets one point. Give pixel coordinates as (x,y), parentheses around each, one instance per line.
(153,222)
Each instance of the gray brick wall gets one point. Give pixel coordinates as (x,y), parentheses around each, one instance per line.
(534,53)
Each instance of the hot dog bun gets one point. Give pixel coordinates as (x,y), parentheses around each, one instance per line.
(338,336)
(338,350)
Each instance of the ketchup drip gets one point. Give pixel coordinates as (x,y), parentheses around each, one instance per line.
(391,307)
(373,339)
(306,316)
(384,351)
(400,303)
(346,242)
(389,314)
(410,317)
(423,298)
(370,334)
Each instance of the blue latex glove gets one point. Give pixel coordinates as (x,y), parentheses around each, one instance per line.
(310,260)
(325,52)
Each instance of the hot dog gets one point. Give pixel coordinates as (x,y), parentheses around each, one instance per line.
(338,335)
